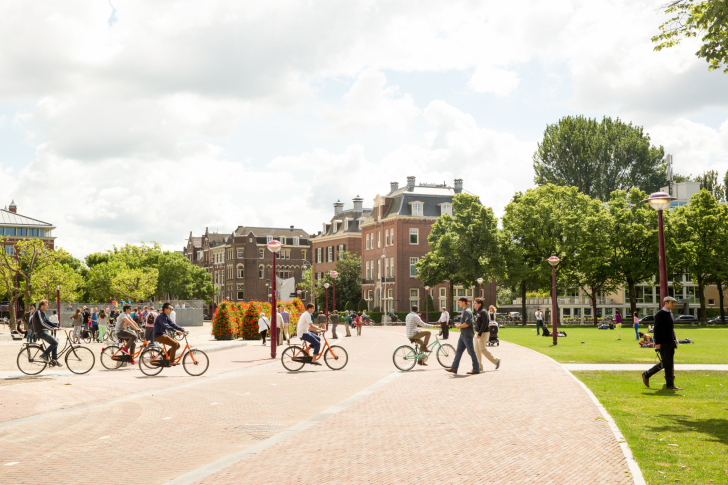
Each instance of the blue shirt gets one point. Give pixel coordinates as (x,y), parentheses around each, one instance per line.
(163,323)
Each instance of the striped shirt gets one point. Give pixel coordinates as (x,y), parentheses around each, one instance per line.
(412,322)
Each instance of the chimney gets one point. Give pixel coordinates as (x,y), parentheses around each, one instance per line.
(358,203)
(411,183)
(393,186)
(338,207)
(458,186)
(291,228)
(13,207)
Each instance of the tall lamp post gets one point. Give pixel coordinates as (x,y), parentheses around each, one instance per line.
(553,261)
(58,304)
(326,290)
(299,294)
(480,283)
(274,246)
(427,312)
(334,275)
(661,201)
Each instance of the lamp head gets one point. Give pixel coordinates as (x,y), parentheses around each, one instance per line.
(298,291)
(427,288)
(333,274)
(274,246)
(553,260)
(480,281)
(659,200)
(326,285)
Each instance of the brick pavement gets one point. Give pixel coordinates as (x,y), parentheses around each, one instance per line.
(425,425)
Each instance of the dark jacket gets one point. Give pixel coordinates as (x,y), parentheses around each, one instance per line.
(164,323)
(40,323)
(665,329)
(482,320)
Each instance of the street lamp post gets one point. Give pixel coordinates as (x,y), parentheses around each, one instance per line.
(299,294)
(326,290)
(334,275)
(274,246)
(58,304)
(661,201)
(480,283)
(427,312)
(553,261)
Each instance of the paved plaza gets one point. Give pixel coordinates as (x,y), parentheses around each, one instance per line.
(248,420)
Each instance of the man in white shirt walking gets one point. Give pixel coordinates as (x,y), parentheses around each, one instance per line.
(263,326)
(539,321)
(412,321)
(444,322)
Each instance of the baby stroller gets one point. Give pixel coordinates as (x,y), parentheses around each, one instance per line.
(493,335)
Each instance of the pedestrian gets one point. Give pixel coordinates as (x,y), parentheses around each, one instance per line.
(539,321)
(149,325)
(173,316)
(54,320)
(334,323)
(280,327)
(77,321)
(636,324)
(86,318)
(444,322)
(263,326)
(103,323)
(286,324)
(95,323)
(618,321)
(465,342)
(347,322)
(482,321)
(422,337)
(30,333)
(359,323)
(665,344)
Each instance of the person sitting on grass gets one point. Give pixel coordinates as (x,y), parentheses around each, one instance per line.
(646,341)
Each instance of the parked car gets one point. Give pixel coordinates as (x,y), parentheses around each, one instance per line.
(647,319)
(686,319)
(718,321)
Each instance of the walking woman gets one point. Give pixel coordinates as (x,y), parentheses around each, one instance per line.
(263,326)
(76,321)
(103,324)
(636,324)
(359,323)
(95,323)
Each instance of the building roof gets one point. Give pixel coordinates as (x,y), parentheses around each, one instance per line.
(11,218)
(276,232)
(215,237)
(196,241)
(353,216)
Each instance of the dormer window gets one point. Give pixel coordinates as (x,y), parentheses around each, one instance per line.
(416,209)
(346,224)
(295,241)
(268,239)
(336,227)
(446,209)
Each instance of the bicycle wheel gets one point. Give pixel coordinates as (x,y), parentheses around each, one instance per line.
(29,361)
(80,360)
(145,362)
(199,365)
(446,355)
(287,358)
(336,357)
(404,357)
(106,359)
(87,339)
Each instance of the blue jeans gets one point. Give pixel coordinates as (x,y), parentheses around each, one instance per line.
(313,340)
(465,343)
(637,331)
(52,345)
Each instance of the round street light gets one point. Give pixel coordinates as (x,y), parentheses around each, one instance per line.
(334,275)
(273,246)
(326,285)
(553,261)
(427,312)
(661,201)
(480,283)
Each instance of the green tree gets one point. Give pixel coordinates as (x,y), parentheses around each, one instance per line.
(306,284)
(99,278)
(710,181)
(598,158)
(708,18)
(61,276)
(134,284)
(633,251)
(362,305)
(695,230)
(348,283)
(463,247)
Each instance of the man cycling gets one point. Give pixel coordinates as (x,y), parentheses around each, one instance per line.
(163,323)
(126,336)
(41,329)
(308,332)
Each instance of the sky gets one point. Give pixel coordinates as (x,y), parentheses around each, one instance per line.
(130,121)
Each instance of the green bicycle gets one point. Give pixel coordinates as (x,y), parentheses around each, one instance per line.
(405,356)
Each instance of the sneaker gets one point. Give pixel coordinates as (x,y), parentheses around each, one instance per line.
(497,364)
(43,358)
(56,363)
(133,361)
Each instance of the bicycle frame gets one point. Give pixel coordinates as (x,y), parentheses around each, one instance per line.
(186,350)
(306,347)
(136,354)
(68,345)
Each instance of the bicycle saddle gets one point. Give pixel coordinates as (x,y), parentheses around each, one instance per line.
(412,341)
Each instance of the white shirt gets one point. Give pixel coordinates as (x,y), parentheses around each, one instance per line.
(444,317)
(173,316)
(280,323)
(303,323)
(539,315)
(53,319)
(263,324)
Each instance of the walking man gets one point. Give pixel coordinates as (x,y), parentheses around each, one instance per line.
(347,323)
(411,323)
(263,326)
(465,342)
(334,323)
(285,322)
(482,321)
(665,344)
(444,322)
(539,321)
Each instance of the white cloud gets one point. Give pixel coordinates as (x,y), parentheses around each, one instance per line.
(695,147)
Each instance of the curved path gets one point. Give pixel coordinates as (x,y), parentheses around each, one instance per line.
(249,421)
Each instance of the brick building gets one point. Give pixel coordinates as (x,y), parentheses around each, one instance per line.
(394,238)
(341,233)
(15,227)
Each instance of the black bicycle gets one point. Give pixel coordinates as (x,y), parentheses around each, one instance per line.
(79,359)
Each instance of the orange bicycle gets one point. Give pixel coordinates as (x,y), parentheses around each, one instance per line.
(295,356)
(112,357)
(154,359)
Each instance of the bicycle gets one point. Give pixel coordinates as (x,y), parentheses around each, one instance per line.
(154,359)
(405,357)
(79,359)
(295,357)
(112,357)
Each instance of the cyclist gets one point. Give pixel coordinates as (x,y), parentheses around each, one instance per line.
(412,321)
(41,329)
(163,323)
(122,324)
(309,332)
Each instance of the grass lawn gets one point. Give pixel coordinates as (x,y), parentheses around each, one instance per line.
(589,345)
(654,420)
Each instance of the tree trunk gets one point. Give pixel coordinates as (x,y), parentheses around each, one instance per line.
(632,295)
(451,291)
(13,316)
(594,308)
(701,295)
(524,315)
(720,300)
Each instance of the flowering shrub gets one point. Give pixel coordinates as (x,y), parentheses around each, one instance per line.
(224,322)
(251,315)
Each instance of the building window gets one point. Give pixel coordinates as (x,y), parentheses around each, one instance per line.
(241,253)
(366,265)
(319,255)
(446,209)
(417,209)
(33,232)
(261,253)
(391,267)
(268,239)
(241,271)
(261,272)
(379,239)
(379,269)
(443,293)
(413,267)
(711,301)
(386,238)
(386,268)
(42,233)
(369,297)
(346,224)
(341,249)
(22,231)
(303,254)
(367,239)
(10,231)
(329,254)
(391,237)
(241,291)
(443,303)
(390,293)
(295,241)
(414,236)
(414,293)
(691,293)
